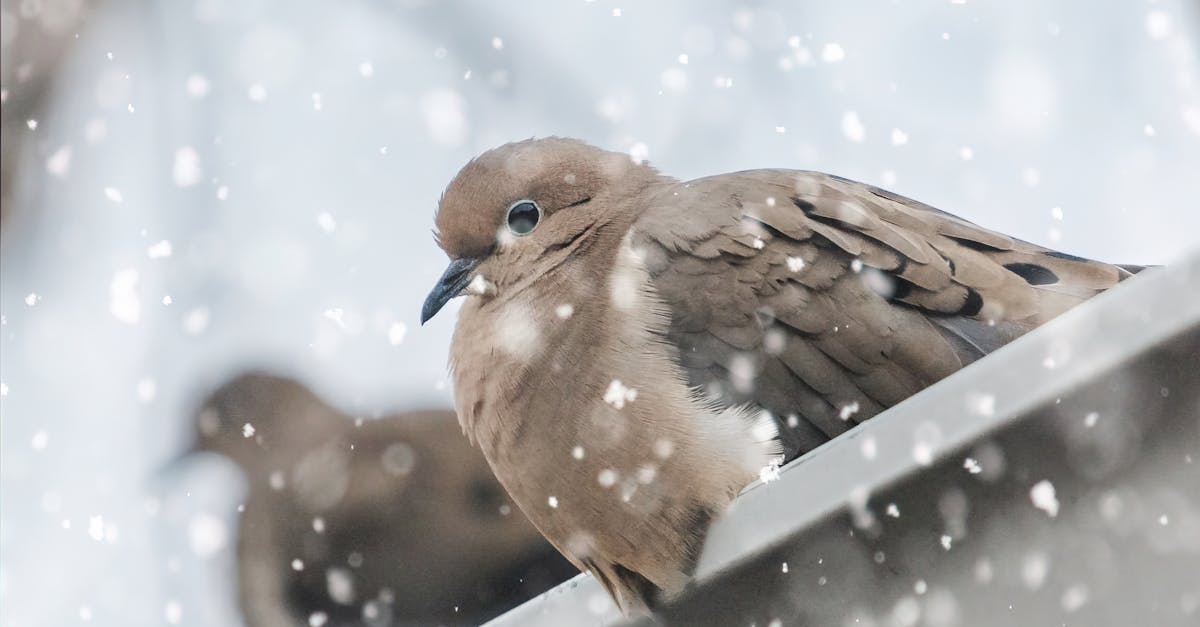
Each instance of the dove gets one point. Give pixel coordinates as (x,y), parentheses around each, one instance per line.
(395,513)
(634,350)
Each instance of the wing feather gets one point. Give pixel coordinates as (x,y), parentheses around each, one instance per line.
(840,295)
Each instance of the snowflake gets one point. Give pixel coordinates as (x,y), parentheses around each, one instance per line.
(96,527)
(770,472)
(617,394)
(869,447)
(396,333)
(196,86)
(59,163)
(832,53)
(1043,497)
(186,170)
(173,612)
(124,302)
(639,152)
(160,250)
(336,314)
(852,127)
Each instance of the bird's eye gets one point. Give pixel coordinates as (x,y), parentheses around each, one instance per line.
(523,216)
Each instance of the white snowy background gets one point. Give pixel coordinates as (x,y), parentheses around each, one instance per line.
(219,185)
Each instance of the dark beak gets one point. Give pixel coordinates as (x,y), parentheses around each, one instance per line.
(452,283)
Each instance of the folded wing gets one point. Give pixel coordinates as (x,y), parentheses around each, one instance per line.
(826,301)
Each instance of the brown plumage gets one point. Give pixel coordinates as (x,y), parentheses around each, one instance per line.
(630,361)
(405,493)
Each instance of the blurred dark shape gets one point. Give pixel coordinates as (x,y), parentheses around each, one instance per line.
(34,37)
(388,521)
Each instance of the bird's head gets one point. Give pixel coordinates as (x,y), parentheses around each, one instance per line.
(520,210)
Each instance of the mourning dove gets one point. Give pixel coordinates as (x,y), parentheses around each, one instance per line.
(635,349)
(390,520)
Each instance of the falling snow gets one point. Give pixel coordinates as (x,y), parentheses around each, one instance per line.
(173,612)
(196,321)
(771,471)
(869,448)
(396,333)
(257,92)
(618,394)
(832,53)
(160,250)
(1043,497)
(1034,569)
(326,222)
(124,302)
(197,86)
(852,127)
(1075,597)
(113,194)
(982,404)
(339,584)
(186,171)
(59,163)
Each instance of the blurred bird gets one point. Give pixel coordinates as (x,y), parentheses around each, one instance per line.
(374,522)
(635,349)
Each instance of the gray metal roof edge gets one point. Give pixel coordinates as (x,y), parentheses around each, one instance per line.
(1142,312)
